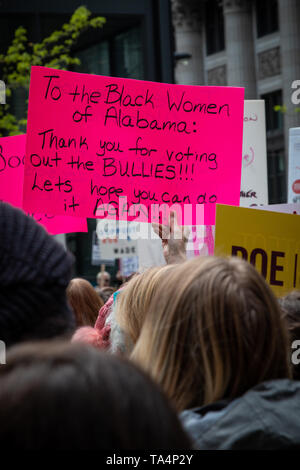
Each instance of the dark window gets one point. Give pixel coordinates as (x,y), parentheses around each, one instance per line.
(214,27)
(95,59)
(276,177)
(128,57)
(266,17)
(274,119)
(119,56)
(275,146)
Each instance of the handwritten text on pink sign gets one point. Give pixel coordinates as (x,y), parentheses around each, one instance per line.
(92,140)
(12,154)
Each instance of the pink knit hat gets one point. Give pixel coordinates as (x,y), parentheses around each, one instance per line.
(92,336)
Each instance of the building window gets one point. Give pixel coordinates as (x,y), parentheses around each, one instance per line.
(274,119)
(95,59)
(119,56)
(276,177)
(275,146)
(127,54)
(266,17)
(214,27)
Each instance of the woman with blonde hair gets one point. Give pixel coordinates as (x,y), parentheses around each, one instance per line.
(214,332)
(118,327)
(131,307)
(120,320)
(84,301)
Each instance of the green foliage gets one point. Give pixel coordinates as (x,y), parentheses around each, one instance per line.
(280,109)
(55,51)
(283,109)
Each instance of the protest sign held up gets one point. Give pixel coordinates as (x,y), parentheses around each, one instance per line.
(99,143)
(114,239)
(268,240)
(285,208)
(12,155)
(254,181)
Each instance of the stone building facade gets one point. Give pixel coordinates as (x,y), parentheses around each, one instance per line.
(249,43)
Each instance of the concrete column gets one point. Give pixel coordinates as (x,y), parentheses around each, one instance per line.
(188,31)
(240,46)
(289,23)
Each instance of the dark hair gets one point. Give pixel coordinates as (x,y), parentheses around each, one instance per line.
(84,301)
(105,293)
(71,396)
(290,305)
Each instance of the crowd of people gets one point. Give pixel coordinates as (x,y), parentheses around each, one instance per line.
(196,354)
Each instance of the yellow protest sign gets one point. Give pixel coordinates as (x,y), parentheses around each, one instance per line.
(268,240)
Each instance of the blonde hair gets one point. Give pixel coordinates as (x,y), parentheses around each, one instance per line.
(213,331)
(134,301)
(84,301)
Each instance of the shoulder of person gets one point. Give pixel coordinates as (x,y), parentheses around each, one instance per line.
(265,417)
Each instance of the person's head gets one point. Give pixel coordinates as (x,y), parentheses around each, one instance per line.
(134,300)
(34,273)
(84,301)
(103,279)
(67,396)
(290,305)
(105,293)
(213,330)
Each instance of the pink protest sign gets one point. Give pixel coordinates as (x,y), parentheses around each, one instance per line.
(99,143)
(12,154)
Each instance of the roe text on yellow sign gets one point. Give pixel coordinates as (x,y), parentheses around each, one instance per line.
(268,240)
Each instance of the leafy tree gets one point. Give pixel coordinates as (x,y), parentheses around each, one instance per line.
(283,109)
(54,51)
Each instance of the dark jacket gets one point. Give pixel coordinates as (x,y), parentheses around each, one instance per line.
(266,417)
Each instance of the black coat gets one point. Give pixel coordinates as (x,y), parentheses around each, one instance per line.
(265,417)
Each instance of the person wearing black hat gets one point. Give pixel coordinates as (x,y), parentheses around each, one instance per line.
(34,273)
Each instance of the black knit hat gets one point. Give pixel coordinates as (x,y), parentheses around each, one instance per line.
(34,273)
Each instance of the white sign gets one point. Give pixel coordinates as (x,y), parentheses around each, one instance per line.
(294,166)
(121,229)
(129,266)
(114,238)
(284,208)
(97,260)
(113,248)
(149,248)
(254,178)
(254,181)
